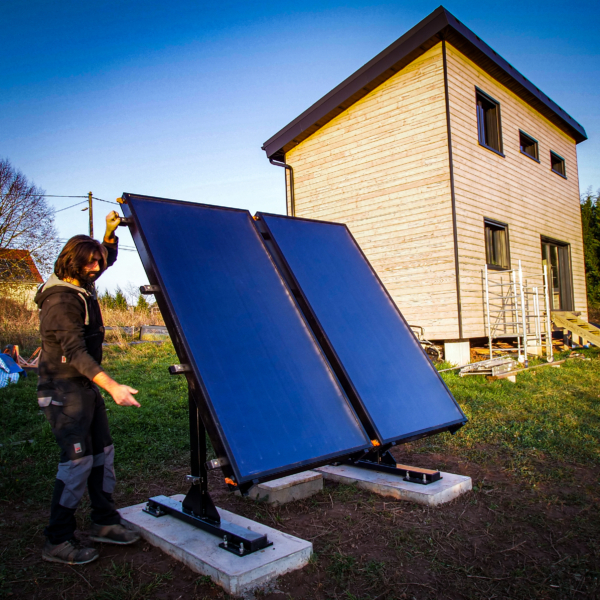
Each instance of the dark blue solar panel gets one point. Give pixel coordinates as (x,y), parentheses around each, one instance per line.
(398,387)
(270,391)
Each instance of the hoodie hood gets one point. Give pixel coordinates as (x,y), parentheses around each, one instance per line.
(53,280)
(55,285)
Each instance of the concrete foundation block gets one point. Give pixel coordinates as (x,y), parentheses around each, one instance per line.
(457,353)
(288,489)
(449,487)
(200,550)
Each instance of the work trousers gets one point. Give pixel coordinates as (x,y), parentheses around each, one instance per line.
(77,414)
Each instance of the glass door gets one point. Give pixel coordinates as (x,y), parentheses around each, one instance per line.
(556,257)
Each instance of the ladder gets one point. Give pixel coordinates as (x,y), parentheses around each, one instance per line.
(588,333)
(517,308)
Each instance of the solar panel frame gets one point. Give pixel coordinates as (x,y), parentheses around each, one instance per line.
(346,381)
(198,389)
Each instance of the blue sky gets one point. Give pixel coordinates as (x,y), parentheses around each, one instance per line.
(175,99)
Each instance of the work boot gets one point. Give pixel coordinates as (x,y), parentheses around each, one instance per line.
(113,534)
(69,553)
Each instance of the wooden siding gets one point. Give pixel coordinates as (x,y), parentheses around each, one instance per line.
(382,168)
(527,195)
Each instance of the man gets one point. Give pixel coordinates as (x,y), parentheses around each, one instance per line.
(72,333)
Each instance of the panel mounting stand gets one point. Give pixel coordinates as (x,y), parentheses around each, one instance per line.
(381,460)
(197,507)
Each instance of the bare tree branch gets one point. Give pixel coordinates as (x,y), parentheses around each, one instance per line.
(26,219)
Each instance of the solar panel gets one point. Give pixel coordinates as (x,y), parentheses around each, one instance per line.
(270,401)
(391,381)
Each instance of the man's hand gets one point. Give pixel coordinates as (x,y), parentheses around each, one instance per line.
(112,222)
(121,394)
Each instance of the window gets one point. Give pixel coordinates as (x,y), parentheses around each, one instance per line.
(528,145)
(497,255)
(557,164)
(488,122)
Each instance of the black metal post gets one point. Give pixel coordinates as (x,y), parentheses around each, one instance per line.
(197,507)
(198,501)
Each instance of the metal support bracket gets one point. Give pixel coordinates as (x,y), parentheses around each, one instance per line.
(216,463)
(385,463)
(149,289)
(179,369)
(236,539)
(197,508)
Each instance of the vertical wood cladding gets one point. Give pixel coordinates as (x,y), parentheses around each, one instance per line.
(381,167)
(513,189)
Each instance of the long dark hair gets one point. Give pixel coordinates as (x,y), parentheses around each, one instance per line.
(77,253)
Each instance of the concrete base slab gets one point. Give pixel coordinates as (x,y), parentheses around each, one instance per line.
(200,550)
(449,487)
(288,489)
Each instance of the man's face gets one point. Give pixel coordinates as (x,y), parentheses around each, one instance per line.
(91,271)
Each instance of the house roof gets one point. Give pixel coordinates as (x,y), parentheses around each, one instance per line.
(440,24)
(17,266)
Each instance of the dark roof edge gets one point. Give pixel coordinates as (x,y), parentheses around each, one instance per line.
(436,26)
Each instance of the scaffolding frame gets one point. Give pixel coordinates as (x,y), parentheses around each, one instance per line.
(513,309)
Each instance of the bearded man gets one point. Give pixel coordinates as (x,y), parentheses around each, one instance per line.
(72,334)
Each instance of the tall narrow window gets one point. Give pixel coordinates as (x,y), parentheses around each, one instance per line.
(557,164)
(488,122)
(497,255)
(529,146)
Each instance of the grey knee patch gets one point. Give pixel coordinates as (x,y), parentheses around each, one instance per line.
(99,459)
(74,474)
(109,481)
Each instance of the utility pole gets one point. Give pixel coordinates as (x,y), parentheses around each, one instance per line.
(91,214)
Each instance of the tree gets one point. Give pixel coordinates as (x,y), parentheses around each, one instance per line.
(26,219)
(107,300)
(120,300)
(142,304)
(590,222)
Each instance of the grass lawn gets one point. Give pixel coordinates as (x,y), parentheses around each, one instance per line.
(530,528)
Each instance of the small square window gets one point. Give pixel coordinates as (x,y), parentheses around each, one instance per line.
(529,146)
(488,122)
(557,164)
(497,255)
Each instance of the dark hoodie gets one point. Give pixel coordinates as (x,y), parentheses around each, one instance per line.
(71,328)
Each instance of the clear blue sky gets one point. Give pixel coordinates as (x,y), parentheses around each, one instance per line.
(175,99)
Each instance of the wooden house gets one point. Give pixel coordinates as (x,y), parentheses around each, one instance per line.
(442,158)
(19,277)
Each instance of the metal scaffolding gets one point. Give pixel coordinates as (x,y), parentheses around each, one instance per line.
(518,309)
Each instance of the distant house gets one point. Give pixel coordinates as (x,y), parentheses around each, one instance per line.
(442,158)
(19,277)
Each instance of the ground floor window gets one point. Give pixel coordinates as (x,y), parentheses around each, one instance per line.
(497,254)
(556,256)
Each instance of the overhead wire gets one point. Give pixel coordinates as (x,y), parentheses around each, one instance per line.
(72,206)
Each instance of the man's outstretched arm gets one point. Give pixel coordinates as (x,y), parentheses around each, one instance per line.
(121,394)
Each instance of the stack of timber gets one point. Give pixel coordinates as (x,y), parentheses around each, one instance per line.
(588,334)
(492,367)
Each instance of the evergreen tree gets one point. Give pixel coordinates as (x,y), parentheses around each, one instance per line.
(590,222)
(107,300)
(120,300)
(142,304)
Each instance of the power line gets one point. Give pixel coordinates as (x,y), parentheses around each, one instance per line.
(72,206)
(54,196)
(93,197)
(107,201)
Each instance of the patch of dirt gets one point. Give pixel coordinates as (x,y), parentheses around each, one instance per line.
(508,538)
